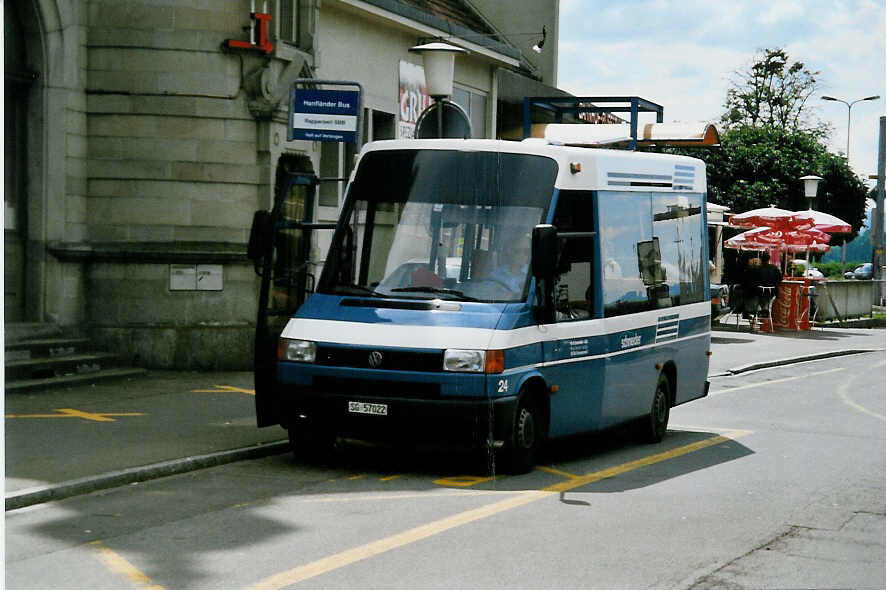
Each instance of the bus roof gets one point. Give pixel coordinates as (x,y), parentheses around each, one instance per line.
(582,168)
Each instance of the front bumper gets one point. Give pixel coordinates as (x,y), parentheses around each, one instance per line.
(473,422)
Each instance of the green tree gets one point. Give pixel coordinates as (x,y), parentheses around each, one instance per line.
(771,139)
(762,166)
(773,93)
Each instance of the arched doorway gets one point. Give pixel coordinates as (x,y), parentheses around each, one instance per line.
(18,82)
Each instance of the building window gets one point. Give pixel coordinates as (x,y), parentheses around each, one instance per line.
(289,21)
(295,23)
(474,104)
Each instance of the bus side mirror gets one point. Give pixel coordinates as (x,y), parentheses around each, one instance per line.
(545,254)
(545,246)
(259,236)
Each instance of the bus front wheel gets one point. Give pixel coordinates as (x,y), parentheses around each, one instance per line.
(653,427)
(309,444)
(527,437)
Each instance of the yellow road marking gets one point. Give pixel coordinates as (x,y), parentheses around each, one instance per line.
(72,413)
(844,394)
(357,476)
(347,557)
(461,481)
(752,385)
(404,496)
(115,562)
(556,472)
(389,477)
(225,389)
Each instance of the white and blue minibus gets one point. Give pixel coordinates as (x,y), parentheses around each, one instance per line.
(500,294)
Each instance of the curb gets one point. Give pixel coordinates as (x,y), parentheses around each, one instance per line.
(112,479)
(793,360)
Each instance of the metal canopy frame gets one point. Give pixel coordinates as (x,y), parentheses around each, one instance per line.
(560,105)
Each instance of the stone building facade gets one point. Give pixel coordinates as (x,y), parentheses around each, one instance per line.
(139,141)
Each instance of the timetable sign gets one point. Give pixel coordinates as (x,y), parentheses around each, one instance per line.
(324,115)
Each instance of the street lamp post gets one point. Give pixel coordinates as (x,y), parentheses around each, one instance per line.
(810,191)
(810,188)
(439,61)
(848,128)
(849,118)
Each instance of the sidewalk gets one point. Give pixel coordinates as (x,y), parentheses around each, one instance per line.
(76,440)
(738,350)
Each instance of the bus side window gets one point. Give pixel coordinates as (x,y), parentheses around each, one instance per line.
(625,227)
(574,292)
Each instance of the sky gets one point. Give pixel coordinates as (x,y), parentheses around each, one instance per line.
(682,55)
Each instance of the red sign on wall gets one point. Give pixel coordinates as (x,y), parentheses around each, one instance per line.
(260,22)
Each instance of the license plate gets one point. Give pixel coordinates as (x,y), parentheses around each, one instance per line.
(366,408)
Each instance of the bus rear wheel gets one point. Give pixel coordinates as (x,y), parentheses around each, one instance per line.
(652,427)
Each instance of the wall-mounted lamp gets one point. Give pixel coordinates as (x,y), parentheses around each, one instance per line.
(538,46)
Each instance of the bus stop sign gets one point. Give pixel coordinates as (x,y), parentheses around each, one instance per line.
(324,115)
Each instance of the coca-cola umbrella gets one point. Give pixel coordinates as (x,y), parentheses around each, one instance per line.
(824,221)
(776,241)
(759,238)
(813,247)
(773,217)
(803,237)
(765,238)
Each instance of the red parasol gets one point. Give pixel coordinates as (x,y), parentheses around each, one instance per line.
(760,238)
(824,221)
(802,237)
(773,217)
(816,247)
(776,241)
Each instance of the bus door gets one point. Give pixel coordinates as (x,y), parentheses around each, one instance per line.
(572,346)
(279,246)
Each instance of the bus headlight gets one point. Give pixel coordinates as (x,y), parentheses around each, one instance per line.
(464,361)
(300,351)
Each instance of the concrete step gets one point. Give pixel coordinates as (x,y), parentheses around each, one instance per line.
(64,364)
(18,331)
(21,385)
(44,355)
(44,347)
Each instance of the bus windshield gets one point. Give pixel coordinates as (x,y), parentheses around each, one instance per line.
(440,224)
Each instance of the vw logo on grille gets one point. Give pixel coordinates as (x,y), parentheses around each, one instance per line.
(375,359)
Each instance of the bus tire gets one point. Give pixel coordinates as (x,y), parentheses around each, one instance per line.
(653,426)
(309,444)
(527,437)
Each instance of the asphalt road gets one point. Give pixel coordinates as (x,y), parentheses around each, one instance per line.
(777,479)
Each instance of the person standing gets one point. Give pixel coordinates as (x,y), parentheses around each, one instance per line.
(770,274)
(750,283)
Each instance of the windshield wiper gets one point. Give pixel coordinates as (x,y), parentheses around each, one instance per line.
(359,289)
(429,289)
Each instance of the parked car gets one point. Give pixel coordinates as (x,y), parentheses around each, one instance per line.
(801,267)
(865,271)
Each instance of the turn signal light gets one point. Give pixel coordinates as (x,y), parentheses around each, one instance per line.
(495,361)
